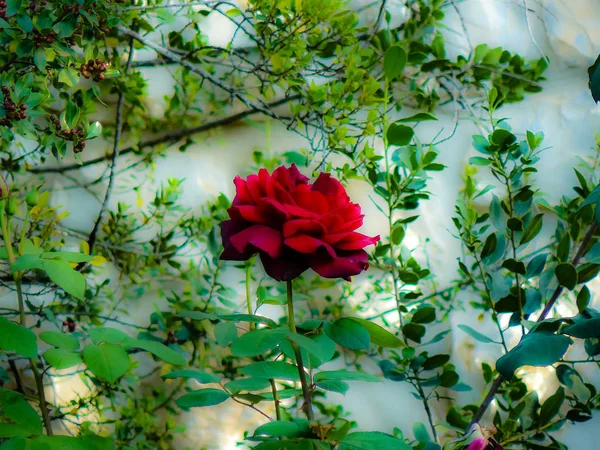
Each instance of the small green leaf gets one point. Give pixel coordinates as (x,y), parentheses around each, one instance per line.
(62,359)
(583,299)
(394,61)
(420,432)
(107,334)
(339,387)
(61,273)
(552,405)
(258,342)
(535,349)
(72,257)
(419,117)
(225,333)
(514,266)
(271,370)
(566,275)
(476,334)
(425,314)
(158,349)
(68,76)
(202,397)
(414,331)
(18,339)
(278,428)
(379,335)
(199,376)
(247,384)
(94,130)
(584,328)
(532,229)
(344,375)
(348,333)
(372,440)
(60,340)
(106,361)
(399,135)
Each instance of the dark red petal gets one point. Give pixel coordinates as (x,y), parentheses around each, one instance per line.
(242,194)
(289,266)
(306,244)
(289,177)
(296,211)
(356,241)
(228,229)
(249,213)
(311,201)
(261,238)
(272,211)
(306,226)
(344,265)
(254,188)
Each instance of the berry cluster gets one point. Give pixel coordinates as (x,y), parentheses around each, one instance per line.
(171,339)
(36,6)
(13,112)
(74,9)
(69,324)
(3,10)
(94,69)
(74,135)
(40,39)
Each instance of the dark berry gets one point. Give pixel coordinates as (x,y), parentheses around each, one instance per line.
(23,107)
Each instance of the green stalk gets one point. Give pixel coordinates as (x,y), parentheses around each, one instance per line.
(292,324)
(39,382)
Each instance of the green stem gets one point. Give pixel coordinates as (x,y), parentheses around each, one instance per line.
(275,399)
(292,324)
(248,291)
(36,374)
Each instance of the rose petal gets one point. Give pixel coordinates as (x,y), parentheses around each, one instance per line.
(303,243)
(311,201)
(344,265)
(284,268)
(478,444)
(242,194)
(355,241)
(254,188)
(228,229)
(261,238)
(249,213)
(272,210)
(306,226)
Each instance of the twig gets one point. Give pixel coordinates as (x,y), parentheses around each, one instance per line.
(173,136)
(498,381)
(115,154)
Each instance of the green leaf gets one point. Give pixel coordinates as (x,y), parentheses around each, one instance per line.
(271,370)
(199,376)
(419,117)
(225,333)
(587,272)
(68,76)
(583,299)
(60,340)
(394,61)
(552,405)
(62,359)
(379,335)
(514,266)
(94,130)
(61,273)
(566,275)
(278,428)
(372,440)
(435,361)
(18,339)
(202,397)
(570,378)
(414,331)
(343,375)
(535,349)
(72,257)
(106,361)
(532,229)
(107,334)
(584,328)
(536,265)
(65,27)
(23,417)
(420,432)
(27,262)
(158,349)
(594,79)
(476,334)
(348,333)
(258,342)
(425,314)
(399,135)
(320,348)
(339,387)
(247,384)
(489,246)
(198,315)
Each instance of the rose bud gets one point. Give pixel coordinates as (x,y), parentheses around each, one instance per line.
(294,225)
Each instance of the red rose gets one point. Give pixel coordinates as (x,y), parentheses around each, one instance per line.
(294,225)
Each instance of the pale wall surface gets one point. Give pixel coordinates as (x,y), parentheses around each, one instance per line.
(568,33)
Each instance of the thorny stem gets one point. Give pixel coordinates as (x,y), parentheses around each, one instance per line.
(292,324)
(36,374)
(498,381)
